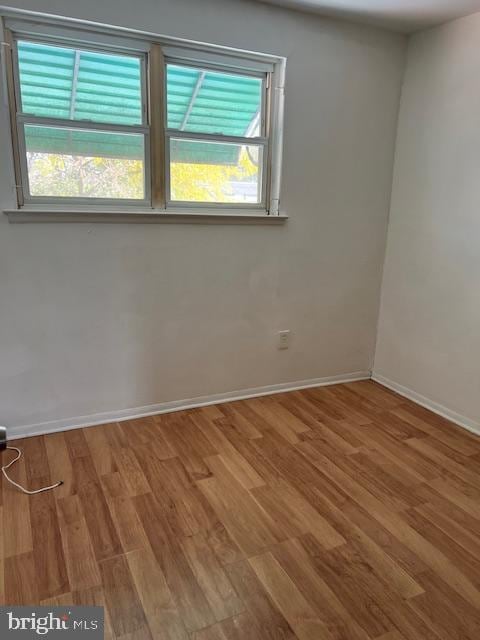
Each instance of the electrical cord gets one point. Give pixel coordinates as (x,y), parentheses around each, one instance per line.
(19,486)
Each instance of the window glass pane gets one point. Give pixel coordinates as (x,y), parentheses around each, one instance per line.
(77,163)
(215,172)
(206,101)
(60,82)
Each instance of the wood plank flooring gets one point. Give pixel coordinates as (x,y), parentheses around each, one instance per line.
(336,513)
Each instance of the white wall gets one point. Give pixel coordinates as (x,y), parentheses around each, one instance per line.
(98,317)
(429,334)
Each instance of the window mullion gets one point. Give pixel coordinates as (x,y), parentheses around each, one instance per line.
(156,87)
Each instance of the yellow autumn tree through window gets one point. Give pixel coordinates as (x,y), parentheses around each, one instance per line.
(67,176)
(62,175)
(197,182)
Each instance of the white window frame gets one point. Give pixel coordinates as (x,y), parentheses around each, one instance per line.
(23,119)
(154,52)
(261,141)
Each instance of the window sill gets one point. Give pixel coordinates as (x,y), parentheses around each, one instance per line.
(220,216)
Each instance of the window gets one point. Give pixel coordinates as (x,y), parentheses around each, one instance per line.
(103,120)
(215,135)
(81,124)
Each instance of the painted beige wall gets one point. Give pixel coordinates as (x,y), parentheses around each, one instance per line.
(98,317)
(429,332)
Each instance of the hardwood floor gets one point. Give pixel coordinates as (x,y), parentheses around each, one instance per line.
(336,513)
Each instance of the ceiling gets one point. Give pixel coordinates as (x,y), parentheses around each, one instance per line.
(400,15)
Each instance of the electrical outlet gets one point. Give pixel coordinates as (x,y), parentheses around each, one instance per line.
(284,339)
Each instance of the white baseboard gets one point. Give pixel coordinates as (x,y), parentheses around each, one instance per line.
(461,421)
(66,424)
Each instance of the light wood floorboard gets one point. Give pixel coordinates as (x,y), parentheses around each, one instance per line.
(337,513)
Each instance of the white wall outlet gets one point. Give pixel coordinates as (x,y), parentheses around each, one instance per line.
(284,339)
